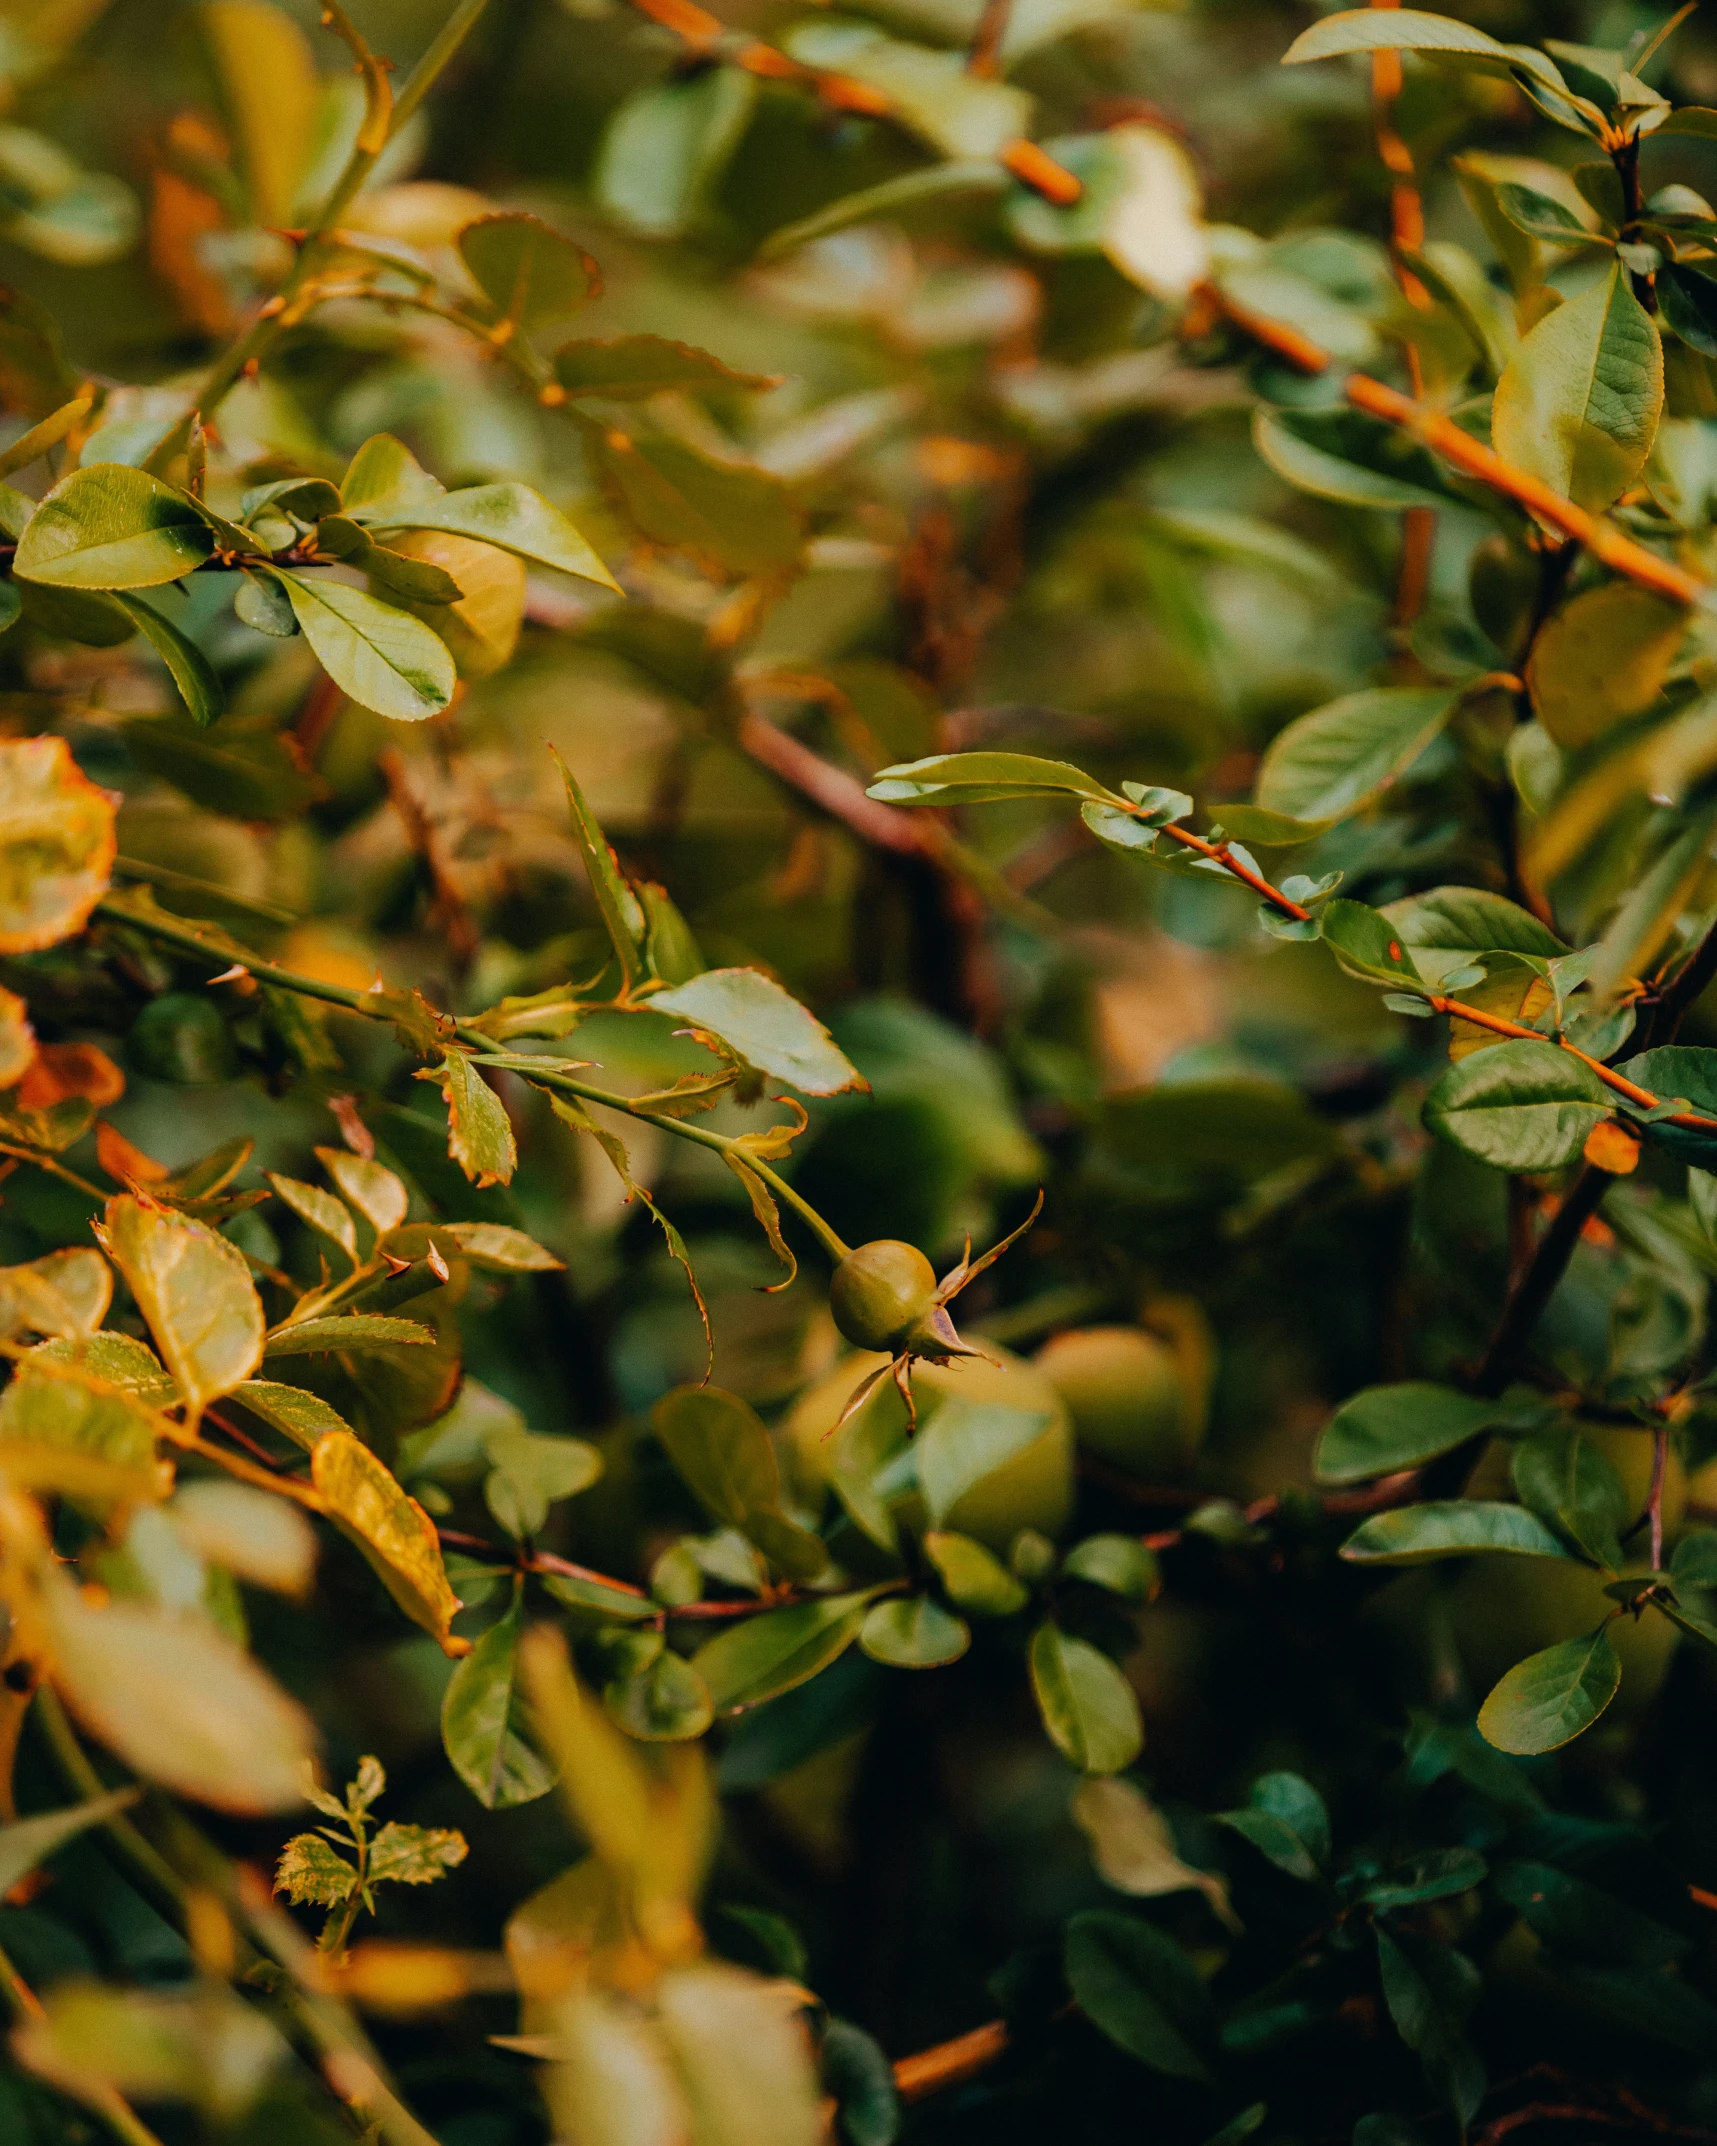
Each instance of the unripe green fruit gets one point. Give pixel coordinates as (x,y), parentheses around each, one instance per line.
(1032,1489)
(1124,1391)
(879,1293)
(1503,1608)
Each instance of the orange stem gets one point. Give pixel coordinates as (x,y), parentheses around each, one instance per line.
(1618,552)
(706,33)
(1607,1074)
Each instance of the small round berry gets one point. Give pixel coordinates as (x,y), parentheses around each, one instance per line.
(880,1292)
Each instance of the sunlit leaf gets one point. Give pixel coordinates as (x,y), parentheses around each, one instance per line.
(57,844)
(195,1291)
(393,1531)
(112,527)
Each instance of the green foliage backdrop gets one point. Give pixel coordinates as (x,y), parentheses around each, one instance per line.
(858,1073)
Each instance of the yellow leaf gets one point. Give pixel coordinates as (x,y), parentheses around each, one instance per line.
(195,1291)
(17,1040)
(392,1530)
(268,78)
(57,844)
(178,1701)
(1602,658)
(647,1810)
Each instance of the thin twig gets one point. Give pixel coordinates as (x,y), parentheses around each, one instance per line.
(1605,542)
(950,2063)
(1515,1031)
(449,908)
(709,37)
(983,59)
(1536,1286)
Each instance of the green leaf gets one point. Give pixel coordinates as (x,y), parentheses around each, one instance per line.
(960,113)
(482,1722)
(1386,1428)
(1453,1527)
(728,1462)
(1546,1700)
(1292,1799)
(972,1577)
(721,1450)
(1430,1988)
(914,1633)
(667,146)
(264,606)
(302,1417)
(28,1842)
(856,2071)
(378,656)
(1602,659)
(1520,1106)
(665,1702)
(195,1291)
(1695,1561)
(528,1474)
(1578,404)
(116,1359)
(1581,1921)
(1568,1482)
(1687,302)
(1088,1707)
(312,1873)
(1136,1985)
(1439,1874)
(111,527)
(414,1855)
(961,178)
(179,1702)
(981,778)
(1118,1563)
(345,1330)
(1679,1069)
(479,1132)
(61,1294)
(617,902)
(1346,456)
(1444,927)
(187,666)
(510,516)
(791,1549)
(731,516)
(529,272)
(1539,216)
(764,1025)
(1337,758)
(630,367)
(759,1657)
(1367,945)
(1398,30)
(327,1216)
(1276,1841)
(65,1428)
(246,773)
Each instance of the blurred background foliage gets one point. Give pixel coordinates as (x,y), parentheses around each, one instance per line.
(1034,519)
